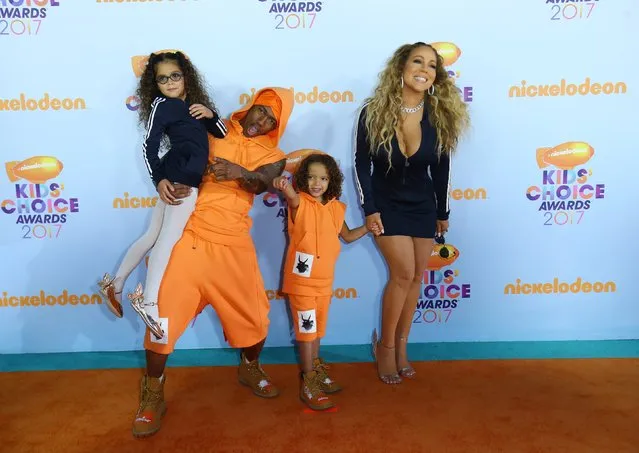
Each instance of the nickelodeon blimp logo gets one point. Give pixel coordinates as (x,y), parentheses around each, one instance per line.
(449,52)
(295,158)
(37,169)
(138,62)
(443,255)
(565,156)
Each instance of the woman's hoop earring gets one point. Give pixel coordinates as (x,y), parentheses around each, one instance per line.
(402,81)
(431,90)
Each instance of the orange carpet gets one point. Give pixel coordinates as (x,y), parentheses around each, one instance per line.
(511,406)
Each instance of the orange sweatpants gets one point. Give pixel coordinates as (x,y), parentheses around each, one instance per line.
(309,316)
(203,273)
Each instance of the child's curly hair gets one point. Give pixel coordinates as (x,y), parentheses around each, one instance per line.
(335,176)
(194,83)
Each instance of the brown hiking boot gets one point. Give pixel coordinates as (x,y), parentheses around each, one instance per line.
(252,375)
(152,407)
(311,393)
(327,384)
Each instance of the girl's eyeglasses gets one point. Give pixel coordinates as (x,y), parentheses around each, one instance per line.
(176,77)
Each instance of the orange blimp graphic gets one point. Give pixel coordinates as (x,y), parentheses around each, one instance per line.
(442,255)
(565,156)
(37,169)
(139,62)
(295,158)
(448,51)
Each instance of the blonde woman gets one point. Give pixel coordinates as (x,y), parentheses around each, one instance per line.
(406,132)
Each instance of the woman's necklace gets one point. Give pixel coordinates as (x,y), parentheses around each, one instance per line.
(413,109)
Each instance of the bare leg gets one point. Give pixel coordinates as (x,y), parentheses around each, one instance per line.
(423,248)
(306,355)
(155,364)
(398,251)
(253,352)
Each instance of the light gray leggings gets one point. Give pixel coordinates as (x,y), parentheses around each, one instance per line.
(166,228)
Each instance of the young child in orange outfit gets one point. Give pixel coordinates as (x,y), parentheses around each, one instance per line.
(315,224)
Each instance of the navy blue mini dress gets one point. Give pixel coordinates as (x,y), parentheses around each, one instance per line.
(413,194)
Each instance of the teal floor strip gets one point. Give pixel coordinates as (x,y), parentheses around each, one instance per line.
(334,354)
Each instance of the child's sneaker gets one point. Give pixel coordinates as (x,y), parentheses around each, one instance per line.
(327,384)
(152,407)
(312,394)
(252,375)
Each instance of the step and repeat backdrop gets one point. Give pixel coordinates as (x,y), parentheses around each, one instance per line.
(542,231)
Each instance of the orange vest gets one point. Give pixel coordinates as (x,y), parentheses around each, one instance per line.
(222,209)
(314,247)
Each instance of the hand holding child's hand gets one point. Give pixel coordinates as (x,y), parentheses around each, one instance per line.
(165,191)
(180,191)
(281,183)
(374,224)
(375,229)
(198,111)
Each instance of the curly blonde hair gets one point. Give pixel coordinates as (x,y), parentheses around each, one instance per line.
(447,112)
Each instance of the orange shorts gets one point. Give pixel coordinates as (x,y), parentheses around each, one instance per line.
(202,273)
(309,316)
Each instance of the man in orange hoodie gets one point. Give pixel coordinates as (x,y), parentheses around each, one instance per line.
(214,263)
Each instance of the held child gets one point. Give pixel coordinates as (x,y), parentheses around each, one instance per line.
(315,224)
(174,104)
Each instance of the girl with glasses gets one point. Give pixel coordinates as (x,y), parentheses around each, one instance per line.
(176,109)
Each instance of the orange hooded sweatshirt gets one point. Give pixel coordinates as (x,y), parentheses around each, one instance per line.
(221,212)
(314,247)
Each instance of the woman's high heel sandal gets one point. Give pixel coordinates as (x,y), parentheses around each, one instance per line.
(137,302)
(390,379)
(407,372)
(107,288)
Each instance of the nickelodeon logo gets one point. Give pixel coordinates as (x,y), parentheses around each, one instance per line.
(127,202)
(441,288)
(468,194)
(338,293)
(566,191)
(311,97)
(578,286)
(442,255)
(23,103)
(36,170)
(139,62)
(49,300)
(566,156)
(450,53)
(566,89)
